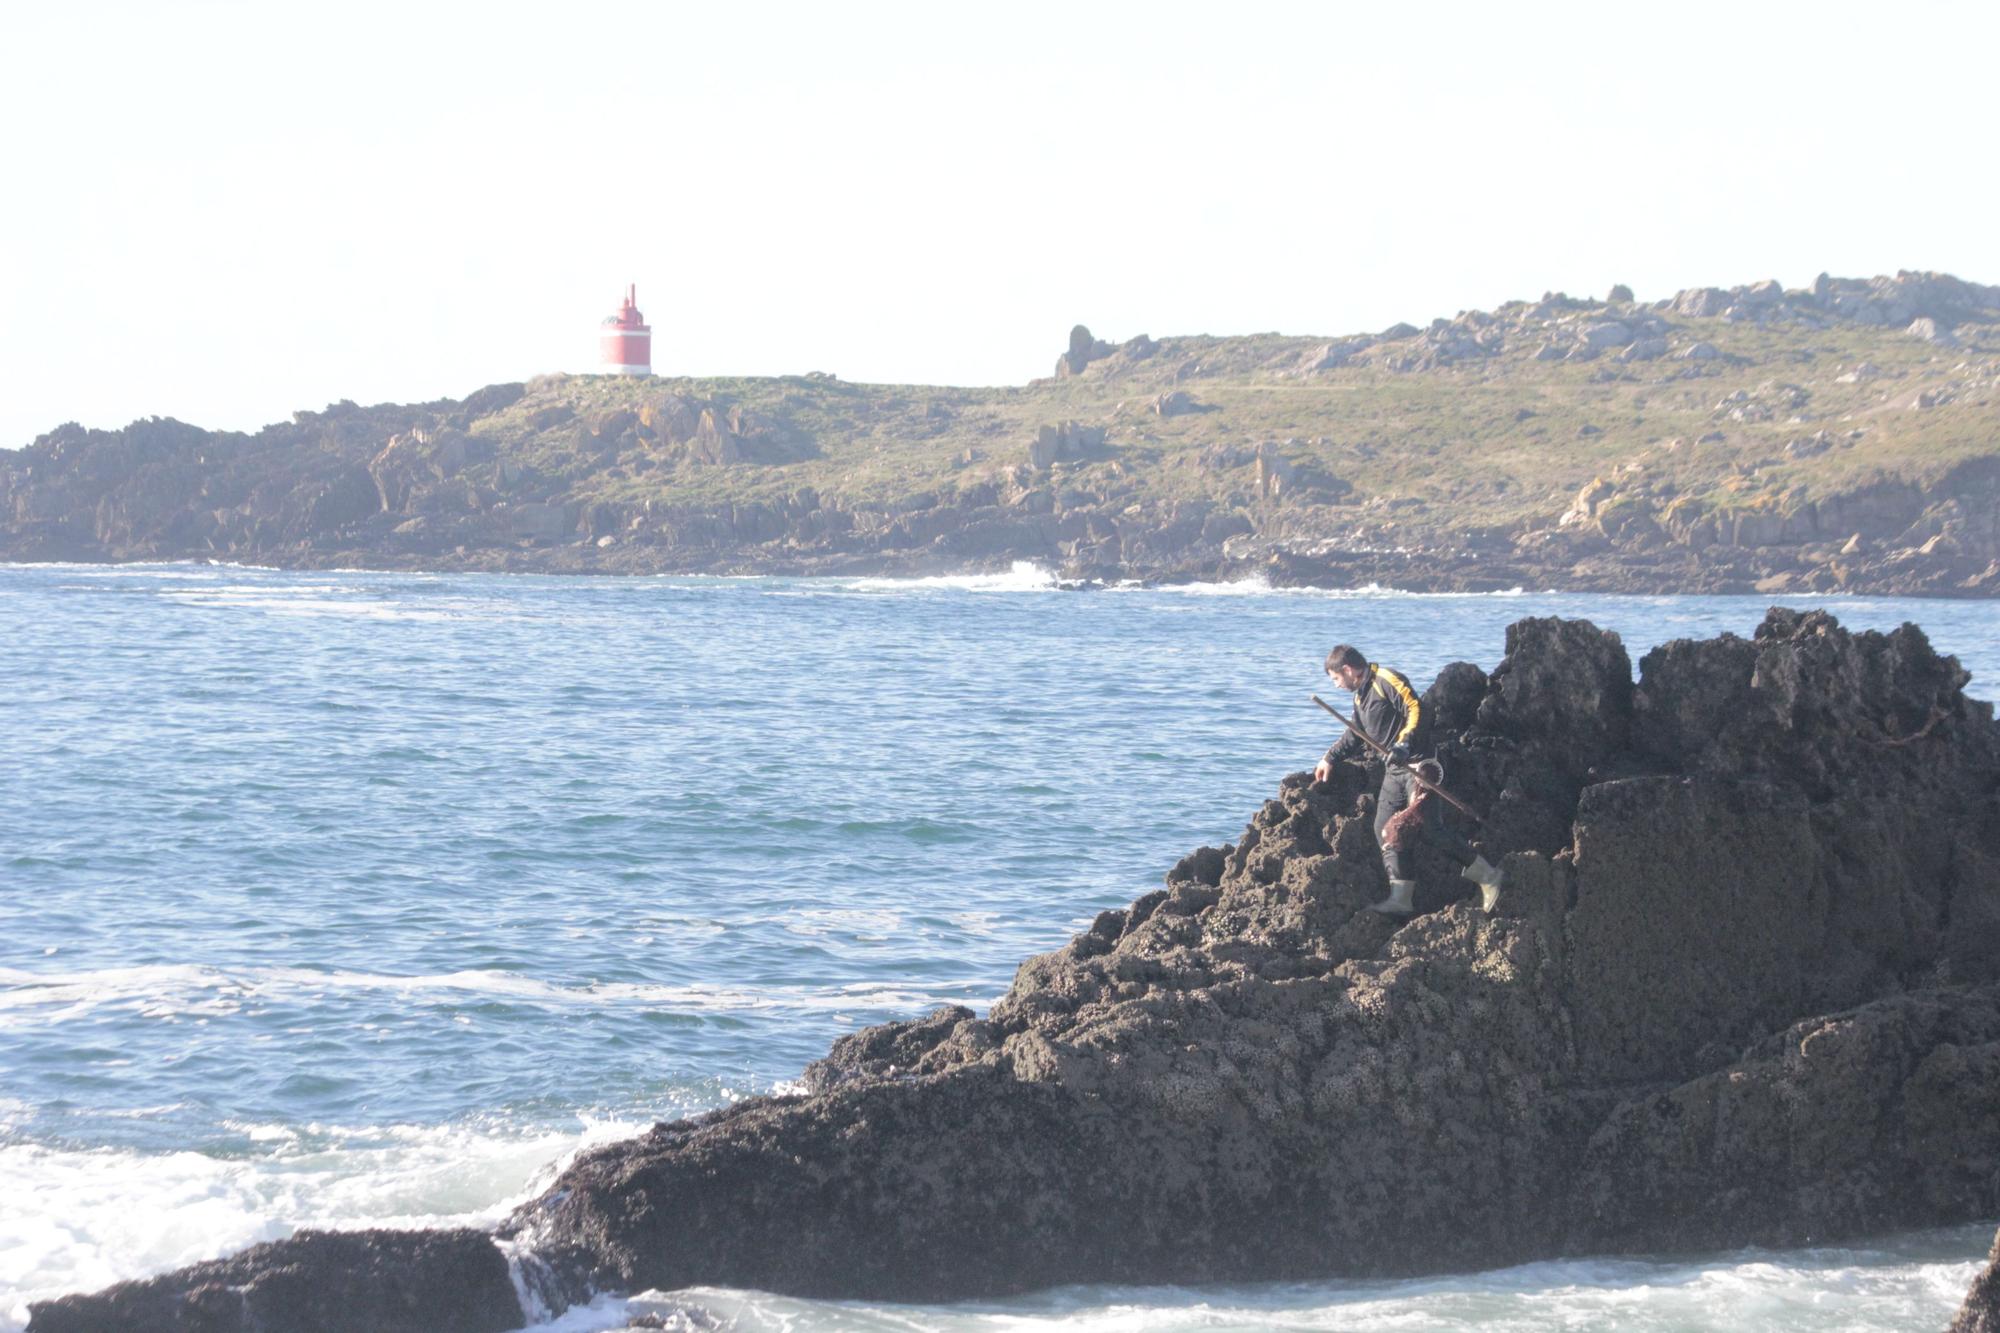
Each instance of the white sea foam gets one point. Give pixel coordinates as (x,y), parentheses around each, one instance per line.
(181,990)
(296,601)
(986,924)
(81,1220)
(1024,576)
(138,569)
(1809,1289)
(867,923)
(77,1221)
(1027,576)
(1256,585)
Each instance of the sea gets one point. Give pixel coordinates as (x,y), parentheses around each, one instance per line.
(353,899)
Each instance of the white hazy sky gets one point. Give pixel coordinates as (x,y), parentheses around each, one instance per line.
(224,212)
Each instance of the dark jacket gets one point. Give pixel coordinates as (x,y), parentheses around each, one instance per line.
(1390,712)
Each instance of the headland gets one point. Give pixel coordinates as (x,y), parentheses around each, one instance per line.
(1843,437)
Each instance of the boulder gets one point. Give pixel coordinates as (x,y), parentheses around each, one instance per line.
(714,442)
(322,505)
(1700,302)
(1931,331)
(1815,1112)
(1327,356)
(541,522)
(332,1282)
(1605,335)
(1064,442)
(1645,349)
(1700,351)
(400,468)
(670,418)
(1760,295)
(1274,472)
(610,425)
(1453,698)
(1562,694)
(493,398)
(1221,457)
(1584,507)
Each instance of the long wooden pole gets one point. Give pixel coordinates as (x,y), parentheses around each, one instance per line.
(1383,750)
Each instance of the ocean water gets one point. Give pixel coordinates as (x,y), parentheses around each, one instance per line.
(351,899)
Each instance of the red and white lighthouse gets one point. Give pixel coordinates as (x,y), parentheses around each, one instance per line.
(625,340)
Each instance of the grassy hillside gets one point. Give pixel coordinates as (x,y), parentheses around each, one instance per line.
(1501,442)
(1724,423)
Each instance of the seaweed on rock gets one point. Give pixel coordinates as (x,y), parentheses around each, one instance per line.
(1743,987)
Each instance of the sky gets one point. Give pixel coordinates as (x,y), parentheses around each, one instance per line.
(229,212)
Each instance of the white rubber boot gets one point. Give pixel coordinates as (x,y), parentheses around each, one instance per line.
(1398,902)
(1487,876)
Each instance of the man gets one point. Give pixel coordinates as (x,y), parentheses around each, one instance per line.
(1392,715)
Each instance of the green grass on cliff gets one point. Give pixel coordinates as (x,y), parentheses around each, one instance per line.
(1499,442)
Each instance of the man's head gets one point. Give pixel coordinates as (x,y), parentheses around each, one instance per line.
(1347,667)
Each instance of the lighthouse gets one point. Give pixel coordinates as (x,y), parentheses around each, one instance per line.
(625,340)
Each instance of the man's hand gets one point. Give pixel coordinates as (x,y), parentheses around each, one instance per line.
(1399,755)
(1323,772)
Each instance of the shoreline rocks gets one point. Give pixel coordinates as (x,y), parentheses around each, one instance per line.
(1743,987)
(1981,1311)
(1301,527)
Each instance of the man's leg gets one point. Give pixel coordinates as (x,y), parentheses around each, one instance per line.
(1397,789)
(1471,864)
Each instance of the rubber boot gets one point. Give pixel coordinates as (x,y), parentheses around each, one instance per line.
(1398,902)
(1487,876)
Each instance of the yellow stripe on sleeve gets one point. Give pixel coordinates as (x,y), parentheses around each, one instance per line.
(1413,708)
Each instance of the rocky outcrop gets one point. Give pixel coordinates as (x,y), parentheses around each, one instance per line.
(1875,532)
(442,1281)
(1333,355)
(1064,442)
(1981,1311)
(1083,349)
(1743,987)
(1935,298)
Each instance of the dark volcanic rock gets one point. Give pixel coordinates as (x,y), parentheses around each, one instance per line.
(315,1282)
(1981,1311)
(1743,987)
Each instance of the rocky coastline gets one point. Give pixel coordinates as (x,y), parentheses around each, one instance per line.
(1981,1311)
(1743,987)
(1841,438)
(1167,548)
